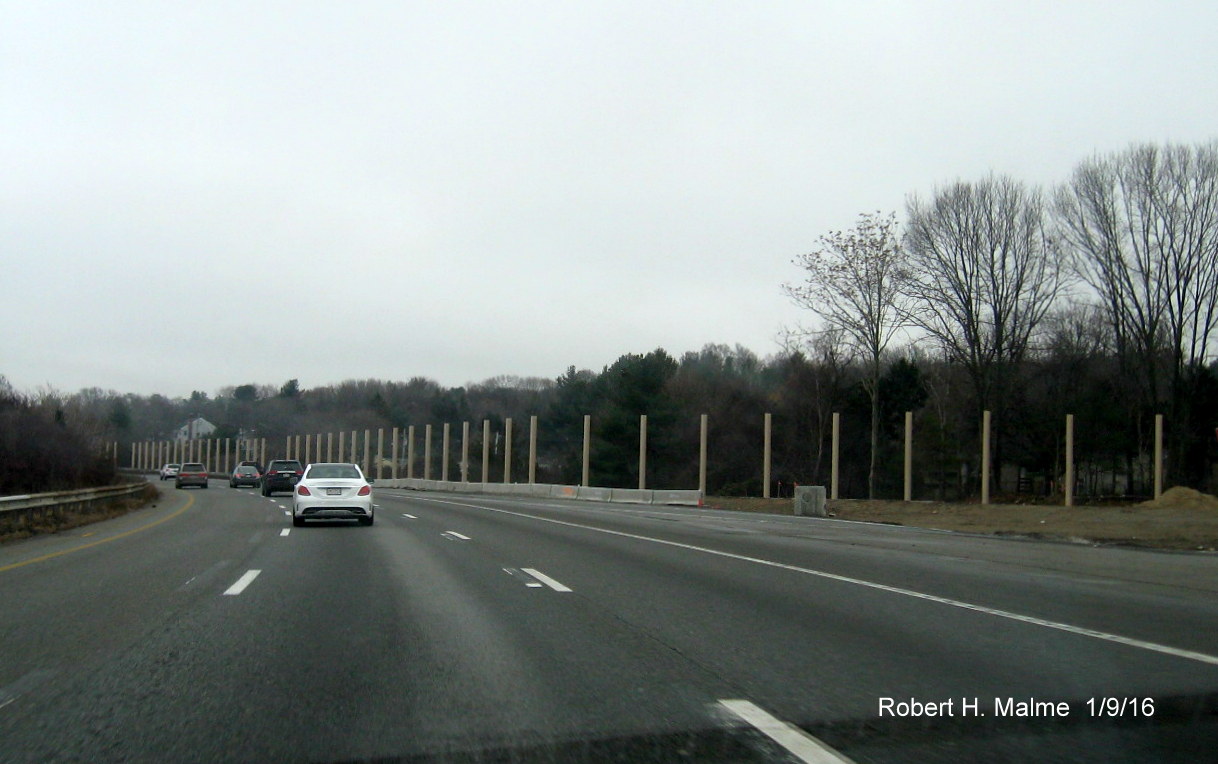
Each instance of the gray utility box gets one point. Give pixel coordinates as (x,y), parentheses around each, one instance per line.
(810,501)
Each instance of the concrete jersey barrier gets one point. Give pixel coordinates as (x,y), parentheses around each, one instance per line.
(547,490)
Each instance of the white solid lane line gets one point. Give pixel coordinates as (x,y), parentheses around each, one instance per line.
(242,582)
(1191,655)
(285,531)
(800,744)
(542,577)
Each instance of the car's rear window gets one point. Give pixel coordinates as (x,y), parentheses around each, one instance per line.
(284,466)
(331,471)
(192,468)
(246,471)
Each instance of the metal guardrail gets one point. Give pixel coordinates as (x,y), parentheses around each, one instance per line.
(60,503)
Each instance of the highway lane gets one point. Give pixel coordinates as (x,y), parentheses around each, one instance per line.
(542,630)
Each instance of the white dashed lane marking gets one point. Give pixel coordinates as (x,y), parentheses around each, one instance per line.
(800,744)
(285,531)
(454,536)
(523,577)
(242,582)
(542,577)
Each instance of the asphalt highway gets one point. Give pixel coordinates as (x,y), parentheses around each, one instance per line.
(470,628)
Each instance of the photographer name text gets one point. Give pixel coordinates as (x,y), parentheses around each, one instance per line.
(1026,708)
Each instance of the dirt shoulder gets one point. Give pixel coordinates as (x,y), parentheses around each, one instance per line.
(1184,525)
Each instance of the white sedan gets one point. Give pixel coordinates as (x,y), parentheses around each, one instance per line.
(332,492)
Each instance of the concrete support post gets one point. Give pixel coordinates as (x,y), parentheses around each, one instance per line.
(427,452)
(486,450)
(507,450)
(908,456)
(532,449)
(354,456)
(1068,488)
(396,453)
(410,452)
(585,475)
(444,453)
(1158,467)
(133,463)
(308,449)
(465,452)
(380,450)
(228,461)
(367,452)
(262,445)
(342,450)
(642,452)
(207,460)
(833,460)
(765,460)
(985,457)
(702,454)
(287,448)
(329,446)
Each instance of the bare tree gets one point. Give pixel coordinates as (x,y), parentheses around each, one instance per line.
(1143,225)
(985,275)
(855,283)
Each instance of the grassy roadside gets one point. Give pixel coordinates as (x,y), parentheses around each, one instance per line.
(20,527)
(1185,525)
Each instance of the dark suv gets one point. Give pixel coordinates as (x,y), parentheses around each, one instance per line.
(281,475)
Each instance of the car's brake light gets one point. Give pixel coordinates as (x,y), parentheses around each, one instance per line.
(303,491)
(365,490)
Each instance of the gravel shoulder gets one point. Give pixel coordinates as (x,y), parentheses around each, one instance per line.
(1181,522)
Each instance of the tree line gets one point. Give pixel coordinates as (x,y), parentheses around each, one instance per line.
(1103,290)
(1097,298)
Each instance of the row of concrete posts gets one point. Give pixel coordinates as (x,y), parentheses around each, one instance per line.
(148,455)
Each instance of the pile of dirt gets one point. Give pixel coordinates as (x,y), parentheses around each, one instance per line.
(1182,498)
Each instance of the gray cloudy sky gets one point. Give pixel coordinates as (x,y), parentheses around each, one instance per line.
(201,195)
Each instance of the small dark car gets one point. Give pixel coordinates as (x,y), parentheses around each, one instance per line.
(192,473)
(281,475)
(244,475)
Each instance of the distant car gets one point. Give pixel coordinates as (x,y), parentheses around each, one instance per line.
(244,475)
(281,475)
(332,492)
(192,473)
(256,465)
(169,470)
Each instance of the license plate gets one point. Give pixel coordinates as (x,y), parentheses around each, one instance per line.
(334,492)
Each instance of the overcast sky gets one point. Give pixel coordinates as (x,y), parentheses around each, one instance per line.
(202,195)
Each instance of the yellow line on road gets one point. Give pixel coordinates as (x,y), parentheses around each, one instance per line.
(189,501)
